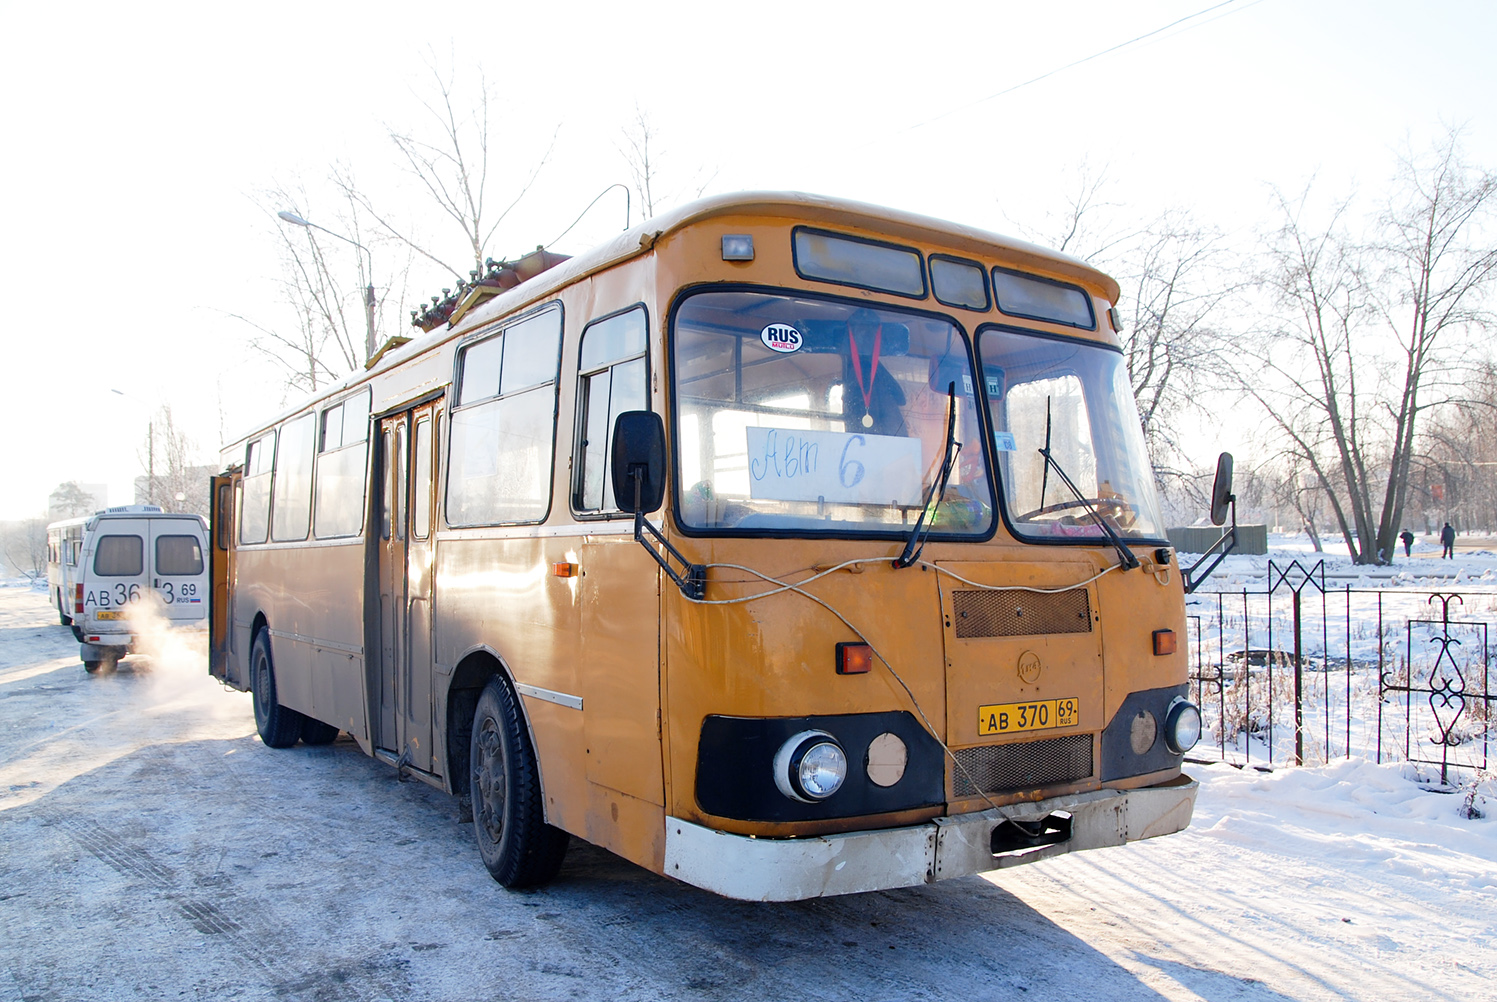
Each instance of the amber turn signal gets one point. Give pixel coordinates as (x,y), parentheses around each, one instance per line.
(854,659)
(564,570)
(1164,642)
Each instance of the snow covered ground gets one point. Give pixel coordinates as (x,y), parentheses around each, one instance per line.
(151,847)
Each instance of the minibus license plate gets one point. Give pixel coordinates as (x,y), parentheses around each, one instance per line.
(1008,718)
(108,614)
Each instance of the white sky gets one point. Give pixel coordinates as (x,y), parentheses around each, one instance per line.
(136,137)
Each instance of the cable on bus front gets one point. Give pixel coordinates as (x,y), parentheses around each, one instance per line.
(798,588)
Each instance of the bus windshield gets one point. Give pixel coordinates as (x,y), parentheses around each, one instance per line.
(1073,398)
(812,415)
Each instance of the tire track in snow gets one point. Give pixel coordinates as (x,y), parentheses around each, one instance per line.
(242,939)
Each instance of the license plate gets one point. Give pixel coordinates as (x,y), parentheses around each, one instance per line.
(1009,718)
(107,614)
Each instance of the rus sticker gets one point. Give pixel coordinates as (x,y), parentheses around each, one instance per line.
(781,338)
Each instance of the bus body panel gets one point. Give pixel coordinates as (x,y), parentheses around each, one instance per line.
(311,599)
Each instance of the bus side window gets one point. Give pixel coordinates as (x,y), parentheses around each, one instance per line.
(254,511)
(291,509)
(225,515)
(421,488)
(501,434)
(612,377)
(342,455)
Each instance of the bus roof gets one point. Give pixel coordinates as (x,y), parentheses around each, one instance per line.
(800,206)
(795,205)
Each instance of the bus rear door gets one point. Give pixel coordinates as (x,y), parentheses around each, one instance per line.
(221,663)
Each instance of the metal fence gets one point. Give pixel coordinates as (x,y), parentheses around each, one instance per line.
(1304,671)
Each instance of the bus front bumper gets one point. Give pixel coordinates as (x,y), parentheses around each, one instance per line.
(764,869)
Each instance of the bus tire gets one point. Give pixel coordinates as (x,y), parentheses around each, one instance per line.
(279,726)
(518,847)
(315,732)
(103,666)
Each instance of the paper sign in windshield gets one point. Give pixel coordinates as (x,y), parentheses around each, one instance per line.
(791,464)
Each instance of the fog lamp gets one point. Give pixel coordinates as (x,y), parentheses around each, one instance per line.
(1182,725)
(810,767)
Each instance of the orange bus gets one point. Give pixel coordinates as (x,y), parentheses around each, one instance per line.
(785,546)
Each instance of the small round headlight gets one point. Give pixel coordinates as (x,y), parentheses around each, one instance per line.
(1182,725)
(810,766)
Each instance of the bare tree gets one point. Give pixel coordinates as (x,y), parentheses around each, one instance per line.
(1369,335)
(1175,279)
(452,161)
(1175,284)
(329,318)
(642,152)
(452,169)
(25,546)
(1453,478)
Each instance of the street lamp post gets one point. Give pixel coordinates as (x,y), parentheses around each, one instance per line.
(369,303)
(150,448)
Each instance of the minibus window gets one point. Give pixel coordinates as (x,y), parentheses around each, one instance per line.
(254,508)
(500,448)
(421,488)
(867,264)
(119,556)
(338,501)
(612,378)
(177,555)
(292,507)
(959,283)
(1042,299)
(1072,397)
(811,415)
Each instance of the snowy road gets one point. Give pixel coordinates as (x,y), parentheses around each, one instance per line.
(152,848)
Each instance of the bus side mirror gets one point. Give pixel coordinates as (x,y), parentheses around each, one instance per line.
(638,461)
(1221,490)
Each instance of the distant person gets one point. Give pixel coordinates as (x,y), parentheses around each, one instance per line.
(1408,542)
(1447,541)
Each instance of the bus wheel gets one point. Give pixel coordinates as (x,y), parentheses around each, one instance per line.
(518,847)
(315,732)
(103,666)
(279,726)
(63,619)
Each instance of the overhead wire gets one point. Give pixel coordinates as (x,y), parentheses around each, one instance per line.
(1073,64)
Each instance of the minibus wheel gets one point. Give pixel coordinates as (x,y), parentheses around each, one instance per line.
(517,846)
(279,726)
(103,666)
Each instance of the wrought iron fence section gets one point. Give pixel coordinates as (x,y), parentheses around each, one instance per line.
(1304,671)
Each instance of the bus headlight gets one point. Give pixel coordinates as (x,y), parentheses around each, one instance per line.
(1182,725)
(810,766)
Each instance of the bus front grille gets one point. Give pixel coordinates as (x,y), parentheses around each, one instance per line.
(1026,765)
(1020,613)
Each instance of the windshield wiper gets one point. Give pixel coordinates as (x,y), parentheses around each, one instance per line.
(1129,561)
(916,542)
